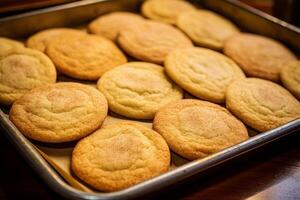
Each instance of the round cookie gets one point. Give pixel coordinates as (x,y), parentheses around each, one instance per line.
(258,56)
(111,24)
(60,112)
(165,11)
(261,104)
(21,70)
(206,28)
(152,41)
(84,57)
(41,40)
(8,45)
(195,129)
(204,73)
(120,155)
(137,89)
(290,77)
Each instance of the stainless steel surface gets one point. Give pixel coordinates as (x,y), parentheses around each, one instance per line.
(80,12)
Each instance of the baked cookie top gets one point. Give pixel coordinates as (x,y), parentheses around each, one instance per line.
(258,56)
(151,41)
(120,155)
(21,70)
(8,45)
(165,11)
(138,89)
(84,57)
(195,129)
(290,77)
(111,24)
(206,28)
(261,104)
(40,40)
(60,112)
(202,72)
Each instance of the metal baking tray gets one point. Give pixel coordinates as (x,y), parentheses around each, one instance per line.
(76,13)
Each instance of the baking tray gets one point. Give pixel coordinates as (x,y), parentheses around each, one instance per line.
(73,14)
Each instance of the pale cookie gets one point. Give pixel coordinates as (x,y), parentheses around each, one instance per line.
(152,41)
(84,57)
(120,155)
(60,112)
(206,28)
(290,77)
(41,40)
(261,104)
(22,70)
(204,73)
(165,11)
(258,56)
(111,24)
(195,129)
(8,46)
(137,89)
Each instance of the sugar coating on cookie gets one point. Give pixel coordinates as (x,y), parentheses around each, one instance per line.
(165,11)
(22,70)
(261,104)
(111,24)
(84,57)
(152,41)
(120,155)
(8,45)
(195,129)
(204,73)
(138,89)
(258,56)
(60,112)
(206,28)
(40,40)
(290,77)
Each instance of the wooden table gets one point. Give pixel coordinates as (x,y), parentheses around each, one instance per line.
(272,172)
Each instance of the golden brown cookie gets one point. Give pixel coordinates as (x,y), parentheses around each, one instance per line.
(111,24)
(7,45)
(138,89)
(165,11)
(21,70)
(261,104)
(195,129)
(258,56)
(206,28)
(60,112)
(204,73)
(120,155)
(290,77)
(152,41)
(84,57)
(40,40)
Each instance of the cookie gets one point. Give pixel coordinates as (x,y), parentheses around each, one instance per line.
(8,45)
(258,56)
(261,104)
(204,73)
(138,89)
(206,28)
(290,77)
(152,41)
(111,24)
(120,155)
(21,70)
(165,11)
(60,112)
(84,57)
(195,129)
(40,40)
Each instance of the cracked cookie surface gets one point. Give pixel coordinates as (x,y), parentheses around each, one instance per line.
(261,104)
(195,129)
(60,112)
(290,77)
(120,155)
(202,72)
(138,89)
